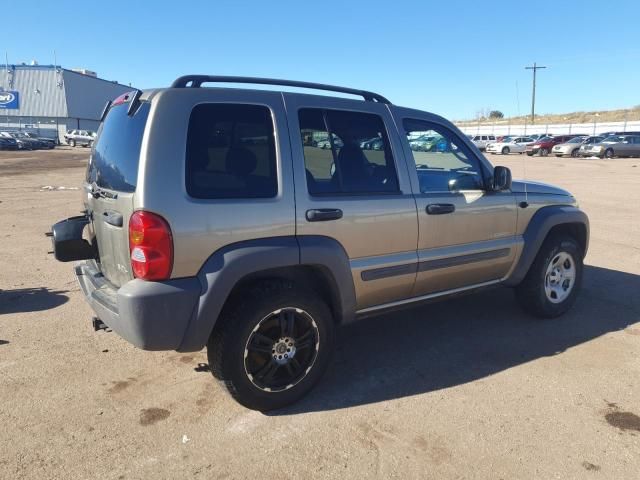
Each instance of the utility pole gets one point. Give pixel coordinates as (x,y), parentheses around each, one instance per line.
(535,67)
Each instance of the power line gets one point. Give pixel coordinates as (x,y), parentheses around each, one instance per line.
(535,68)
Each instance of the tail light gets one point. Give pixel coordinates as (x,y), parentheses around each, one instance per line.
(150,245)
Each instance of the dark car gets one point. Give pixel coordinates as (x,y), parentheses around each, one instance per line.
(544,145)
(46,142)
(8,143)
(25,142)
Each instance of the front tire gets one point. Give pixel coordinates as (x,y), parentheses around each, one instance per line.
(272,345)
(505,150)
(544,152)
(72,143)
(608,153)
(552,283)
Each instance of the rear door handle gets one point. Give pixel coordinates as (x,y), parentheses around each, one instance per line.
(440,208)
(323,214)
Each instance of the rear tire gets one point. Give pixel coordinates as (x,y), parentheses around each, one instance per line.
(554,280)
(254,334)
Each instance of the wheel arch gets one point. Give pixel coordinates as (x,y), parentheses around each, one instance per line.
(548,221)
(320,263)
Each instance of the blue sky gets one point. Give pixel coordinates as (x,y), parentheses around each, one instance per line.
(453,58)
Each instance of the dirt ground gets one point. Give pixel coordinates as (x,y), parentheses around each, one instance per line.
(466,389)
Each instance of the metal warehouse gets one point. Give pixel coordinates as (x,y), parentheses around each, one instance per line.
(50,100)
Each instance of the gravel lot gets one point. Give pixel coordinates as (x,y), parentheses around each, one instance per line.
(469,388)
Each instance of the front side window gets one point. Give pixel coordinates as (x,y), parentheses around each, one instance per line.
(346,153)
(443,164)
(231,152)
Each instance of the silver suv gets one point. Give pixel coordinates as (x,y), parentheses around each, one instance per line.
(80,137)
(215,218)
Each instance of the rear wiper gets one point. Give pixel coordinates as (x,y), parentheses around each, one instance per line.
(98,192)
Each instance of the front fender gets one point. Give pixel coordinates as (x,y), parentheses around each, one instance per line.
(539,227)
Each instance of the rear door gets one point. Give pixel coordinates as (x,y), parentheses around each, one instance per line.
(365,192)
(110,184)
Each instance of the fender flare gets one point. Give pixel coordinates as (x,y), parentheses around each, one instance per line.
(537,230)
(231,264)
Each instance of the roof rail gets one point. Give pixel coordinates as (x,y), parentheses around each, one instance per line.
(195,81)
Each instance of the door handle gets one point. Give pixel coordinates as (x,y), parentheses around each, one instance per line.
(323,214)
(440,208)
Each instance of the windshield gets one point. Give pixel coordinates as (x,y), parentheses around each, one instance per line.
(613,139)
(577,140)
(544,139)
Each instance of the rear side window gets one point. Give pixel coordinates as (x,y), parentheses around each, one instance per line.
(346,153)
(116,154)
(231,152)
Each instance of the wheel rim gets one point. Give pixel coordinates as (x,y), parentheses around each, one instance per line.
(281,349)
(544,152)
(560,277)
(574,153)
(608,153)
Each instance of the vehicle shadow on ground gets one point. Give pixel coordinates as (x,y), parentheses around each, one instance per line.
(446,344)
(31,300)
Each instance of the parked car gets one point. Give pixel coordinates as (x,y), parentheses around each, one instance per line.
(614,146)
(261,252)
(375,143)
(83,138)
(46,142)
(481,141)
(510,145)
(327,144)
(23,142)
(572,147)
(544,145)
(426,143)
(8,143)
(538,136)
(608,134)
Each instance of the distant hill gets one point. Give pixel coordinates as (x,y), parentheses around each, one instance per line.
(621,115)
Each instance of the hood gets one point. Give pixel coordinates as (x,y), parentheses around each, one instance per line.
(537,187)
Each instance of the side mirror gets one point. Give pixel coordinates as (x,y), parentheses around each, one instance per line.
(501,179)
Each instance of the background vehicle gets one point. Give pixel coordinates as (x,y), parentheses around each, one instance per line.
(83,138)
(510,145)
(544,145)
(614,146)
(481,141)
(572,147)
(327,144)
(260,249)
(425,143)
(46,142)
(8,143)
(23,141)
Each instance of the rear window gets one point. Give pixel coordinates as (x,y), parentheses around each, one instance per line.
(116,153)
(231,152)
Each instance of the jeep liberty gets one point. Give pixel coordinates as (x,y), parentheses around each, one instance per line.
(213,218)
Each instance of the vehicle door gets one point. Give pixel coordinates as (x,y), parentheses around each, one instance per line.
(636,146)
(467,233)
(360,197)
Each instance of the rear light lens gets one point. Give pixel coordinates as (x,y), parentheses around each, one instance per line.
(150,245)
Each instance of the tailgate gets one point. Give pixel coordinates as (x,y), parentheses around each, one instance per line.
(111,183)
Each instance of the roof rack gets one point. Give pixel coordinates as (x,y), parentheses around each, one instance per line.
(196,81)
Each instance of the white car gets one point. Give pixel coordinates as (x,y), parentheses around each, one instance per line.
(510,145)
(481,141)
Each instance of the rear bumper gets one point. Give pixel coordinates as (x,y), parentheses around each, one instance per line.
(151,315)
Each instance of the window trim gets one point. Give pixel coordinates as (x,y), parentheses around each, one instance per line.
(276,149)
(469,152)
(385,137)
